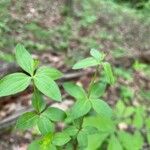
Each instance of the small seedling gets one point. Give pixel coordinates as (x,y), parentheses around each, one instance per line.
(43,80)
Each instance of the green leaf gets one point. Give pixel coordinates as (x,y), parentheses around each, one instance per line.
(71,130)
(108,72)
(38,101)
(128,111)
(7,57)
(114,144)
(82,139)
(51,147)
(78,122)
(43,143)
(97,55)
(120,108)
(122,111)
(124,73)
(61,138)
(14,83)
(69,146)
(90,130)
(75,90)
(47,86)
(138,140)
(27,120)
(46,142)
(96,140)
(45,125)
(87,62)
(97,90)
(35,145)
(147,123)
(54,114)
(126,92)
(102,108)
(80,108)
(102,123)
(24,59)
(128,140)
(148,137)
(138,119)
(50,72)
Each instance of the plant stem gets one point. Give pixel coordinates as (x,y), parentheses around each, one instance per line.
(80,127)
(93,80)
(82,118)
(75,145)
(89,88)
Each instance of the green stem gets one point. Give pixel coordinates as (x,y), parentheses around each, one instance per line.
(82,118)
(80,127)
(75,145)
(93,80)
(36,90)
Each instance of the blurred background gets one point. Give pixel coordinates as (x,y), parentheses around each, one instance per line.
(60,32)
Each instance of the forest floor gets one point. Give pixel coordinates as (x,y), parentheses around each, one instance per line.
(59,40)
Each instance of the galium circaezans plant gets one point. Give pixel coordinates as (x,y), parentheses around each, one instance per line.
(74,135)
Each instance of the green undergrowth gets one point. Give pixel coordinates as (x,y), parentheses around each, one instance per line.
(94,24)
